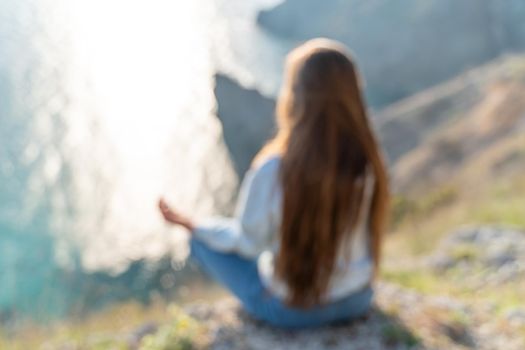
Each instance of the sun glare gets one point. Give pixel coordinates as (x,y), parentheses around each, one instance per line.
(148,69)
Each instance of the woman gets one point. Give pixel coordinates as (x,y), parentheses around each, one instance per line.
(304,245)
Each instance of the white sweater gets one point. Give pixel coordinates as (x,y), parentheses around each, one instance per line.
(254,233)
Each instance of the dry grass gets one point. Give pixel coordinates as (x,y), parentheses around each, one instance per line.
(420,222)
(93,329)
(424,219)
(111,327)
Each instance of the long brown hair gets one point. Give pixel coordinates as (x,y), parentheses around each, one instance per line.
(327,149)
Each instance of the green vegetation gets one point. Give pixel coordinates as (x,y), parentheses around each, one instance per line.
(510,212)
(502,297)
(459,319)
(419,280)
(405,208)
(395,334)
(465,252)
(420,221)
(112,329)
(181,333)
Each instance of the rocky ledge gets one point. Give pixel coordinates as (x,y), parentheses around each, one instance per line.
(471,260)
(483,255)
(400,319)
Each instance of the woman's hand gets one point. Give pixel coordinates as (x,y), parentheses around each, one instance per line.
(174,217)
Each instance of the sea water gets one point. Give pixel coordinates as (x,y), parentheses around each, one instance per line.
(104,106)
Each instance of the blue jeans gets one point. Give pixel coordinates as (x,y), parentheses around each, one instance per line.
(241,277)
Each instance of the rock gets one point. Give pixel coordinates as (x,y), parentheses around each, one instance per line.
(247,119)
(400,319)
(516,317)
(405,40)
(485,255)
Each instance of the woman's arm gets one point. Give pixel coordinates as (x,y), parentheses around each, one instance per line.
(250,231)
(174,217)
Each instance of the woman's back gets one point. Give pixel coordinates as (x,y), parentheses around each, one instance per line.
(353,268)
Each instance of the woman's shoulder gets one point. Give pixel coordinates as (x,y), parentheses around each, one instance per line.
(268,164)
(265,169)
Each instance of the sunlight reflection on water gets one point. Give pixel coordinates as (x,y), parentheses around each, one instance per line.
(146,82)
(104,106)
(152,76)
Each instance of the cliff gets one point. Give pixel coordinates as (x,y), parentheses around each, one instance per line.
(247,119)
(415,44)
(470,127)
